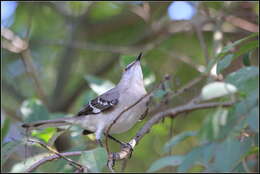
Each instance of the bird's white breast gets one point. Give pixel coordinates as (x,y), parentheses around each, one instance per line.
(130,117)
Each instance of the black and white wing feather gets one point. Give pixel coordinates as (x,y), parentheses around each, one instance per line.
(101,103)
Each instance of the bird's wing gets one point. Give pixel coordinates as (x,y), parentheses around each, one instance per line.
(101,103)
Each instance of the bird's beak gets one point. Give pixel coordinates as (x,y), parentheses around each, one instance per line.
(139,57)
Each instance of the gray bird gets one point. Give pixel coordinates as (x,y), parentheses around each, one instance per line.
(99,113)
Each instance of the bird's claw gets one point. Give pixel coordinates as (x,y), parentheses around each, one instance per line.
(127,146)
(111,161)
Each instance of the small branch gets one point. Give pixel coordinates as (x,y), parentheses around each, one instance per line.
(242,23)
(125,151)
(27,61)
(15,44)
(51,158)
(176,111)
(202,41)
(173,112)
(56,156)
(183,89)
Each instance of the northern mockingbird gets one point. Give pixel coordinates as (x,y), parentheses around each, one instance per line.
(99,113)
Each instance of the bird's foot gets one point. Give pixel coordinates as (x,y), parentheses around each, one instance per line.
(128,146)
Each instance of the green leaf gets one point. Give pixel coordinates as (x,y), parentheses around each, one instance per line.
(94,159)
(33,110)
(45,134)
(215,5)
(213,125)
(178,138)
(253,119)
(166,161)
(231,46)
(5,128)
(227,48)
(190,159)
(224,63)
(104,10)
(253,150)
(7,150)
(98,85)
(198,155)
(217,89)
(21,167)
(245,79)
(247,47)
(246,105)
(87,96)
(246,59)
(228,154)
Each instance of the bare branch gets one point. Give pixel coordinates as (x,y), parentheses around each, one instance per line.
(15,44)
(56,156)
(52,158)
(242,23)
(173,112)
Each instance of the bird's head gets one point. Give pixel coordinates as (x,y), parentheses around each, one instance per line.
(133,71)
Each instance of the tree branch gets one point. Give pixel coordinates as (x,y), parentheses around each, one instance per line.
(56,156)
(51,158)
(173,112)
(125,151)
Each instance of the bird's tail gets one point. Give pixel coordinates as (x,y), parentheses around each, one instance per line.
(49,123)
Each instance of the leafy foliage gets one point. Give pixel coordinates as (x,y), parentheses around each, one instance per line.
(79,50)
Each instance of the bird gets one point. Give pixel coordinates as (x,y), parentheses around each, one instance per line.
(99,113)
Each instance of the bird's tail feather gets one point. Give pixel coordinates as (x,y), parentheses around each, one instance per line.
(48,123)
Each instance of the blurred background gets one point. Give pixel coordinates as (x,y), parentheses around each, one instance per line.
(56,56)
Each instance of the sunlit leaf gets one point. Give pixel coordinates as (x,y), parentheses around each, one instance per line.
(177,139)
(94,159)
(44,134)
(217,89)
(166,161)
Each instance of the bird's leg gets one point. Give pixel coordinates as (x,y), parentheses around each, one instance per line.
(99,142)
(128,146)
(114,139)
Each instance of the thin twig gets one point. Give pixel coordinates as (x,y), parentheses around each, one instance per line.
(173,112)
(27,61)
(125,151)
(58,155)
(183,89)
(202,42)
(51,158)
